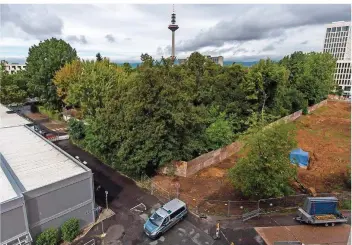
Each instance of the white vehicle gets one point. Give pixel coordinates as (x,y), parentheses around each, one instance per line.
(165,217)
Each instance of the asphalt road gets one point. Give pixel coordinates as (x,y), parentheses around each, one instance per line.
(123,195)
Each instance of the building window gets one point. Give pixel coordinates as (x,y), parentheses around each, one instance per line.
(329,30)
(345,28)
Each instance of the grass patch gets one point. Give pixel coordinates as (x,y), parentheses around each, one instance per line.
(321,110)
(345,204)
(52,114)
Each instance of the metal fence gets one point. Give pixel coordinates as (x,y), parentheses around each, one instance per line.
(234,208)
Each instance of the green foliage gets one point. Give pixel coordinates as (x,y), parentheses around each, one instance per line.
(311,74)
(48,237)
(337,90)
(219,133)
(99,58)
(266,171)
(305,108)
(51,113)
(70,229)
(13,87)
(43,61)
(345,204)
(127,68)
(76,129)
(151,122)
(97,84)
(266,86)
(138,120)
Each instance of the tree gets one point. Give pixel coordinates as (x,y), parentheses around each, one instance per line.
(150,122)
(70,229)
(66,77)
(265,85)
(99,58)
(311,74)
(13,87)
(48,237)
(76,129)
(96,84)
(337,90)
(219,133)
(43,61)
(266,171)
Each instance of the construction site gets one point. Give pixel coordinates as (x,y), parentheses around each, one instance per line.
(324,134)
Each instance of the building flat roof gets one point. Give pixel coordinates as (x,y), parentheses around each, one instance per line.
(10,120)
(7,192)
(33,160)
(338,23)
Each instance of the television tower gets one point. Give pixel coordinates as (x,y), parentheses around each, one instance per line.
(173,27)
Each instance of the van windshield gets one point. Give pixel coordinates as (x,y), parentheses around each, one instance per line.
(156,219)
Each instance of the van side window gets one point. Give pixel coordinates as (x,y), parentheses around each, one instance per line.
(177,212)
(166,220)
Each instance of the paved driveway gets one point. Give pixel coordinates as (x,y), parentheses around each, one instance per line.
(124,194)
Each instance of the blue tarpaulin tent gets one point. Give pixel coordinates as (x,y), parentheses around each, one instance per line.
(300,157)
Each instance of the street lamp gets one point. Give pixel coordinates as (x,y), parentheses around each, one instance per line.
(106,199)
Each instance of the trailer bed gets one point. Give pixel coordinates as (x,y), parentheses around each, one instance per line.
(304,217)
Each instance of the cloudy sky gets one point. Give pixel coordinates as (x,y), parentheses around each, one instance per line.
(122,32)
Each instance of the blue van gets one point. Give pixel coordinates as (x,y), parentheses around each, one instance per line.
(164,218)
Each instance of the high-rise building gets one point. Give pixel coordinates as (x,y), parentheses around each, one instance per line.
(338,43)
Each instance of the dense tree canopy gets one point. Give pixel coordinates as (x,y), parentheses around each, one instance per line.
(13,87)
(139,119)
(311,74)
(43,61)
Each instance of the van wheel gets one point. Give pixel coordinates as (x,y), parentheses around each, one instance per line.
(184,216)
(332,224)
(326,224)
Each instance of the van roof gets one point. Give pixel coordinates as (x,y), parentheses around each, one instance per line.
(173,205)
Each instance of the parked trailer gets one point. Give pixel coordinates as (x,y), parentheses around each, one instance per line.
(320,210)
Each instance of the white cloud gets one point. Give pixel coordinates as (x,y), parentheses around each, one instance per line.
(122,32)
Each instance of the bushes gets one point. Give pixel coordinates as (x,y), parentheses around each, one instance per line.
(76,129)
(52,114)
(70,229)
(48,237)
(305,108)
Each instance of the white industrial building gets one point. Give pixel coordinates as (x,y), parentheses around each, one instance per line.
(13,67)
(41,185)
(338,43)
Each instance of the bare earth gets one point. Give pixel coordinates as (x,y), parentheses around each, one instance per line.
(326,135)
